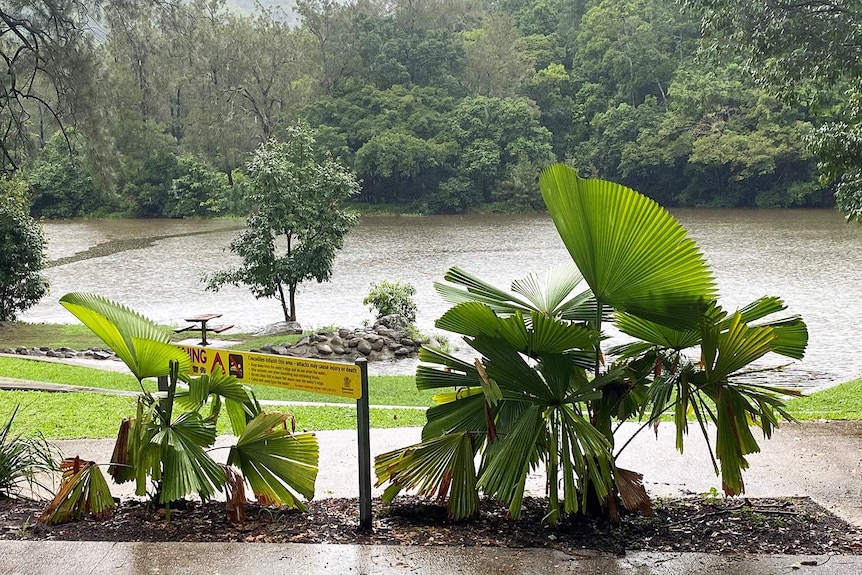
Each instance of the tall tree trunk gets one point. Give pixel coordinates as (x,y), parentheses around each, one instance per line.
(283,300)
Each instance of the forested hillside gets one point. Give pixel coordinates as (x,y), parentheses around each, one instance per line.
(437,105)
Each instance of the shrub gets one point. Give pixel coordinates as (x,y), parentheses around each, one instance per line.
(21,459)
(392,298)
(22,255)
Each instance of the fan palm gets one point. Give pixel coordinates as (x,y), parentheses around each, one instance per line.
(540,396)
(166,442)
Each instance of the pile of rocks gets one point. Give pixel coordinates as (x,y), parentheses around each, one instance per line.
(60,352)
(388,338)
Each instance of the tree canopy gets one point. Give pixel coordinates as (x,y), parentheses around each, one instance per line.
(438,106)
(805,53)
(298,220)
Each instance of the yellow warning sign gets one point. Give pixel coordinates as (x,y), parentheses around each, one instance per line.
(314,375)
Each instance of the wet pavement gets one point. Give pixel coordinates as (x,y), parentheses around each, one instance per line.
(822,460)
(98,558)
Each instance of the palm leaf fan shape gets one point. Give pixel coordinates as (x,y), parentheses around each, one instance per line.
(632,253)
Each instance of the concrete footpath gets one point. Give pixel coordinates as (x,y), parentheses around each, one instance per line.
(822,460)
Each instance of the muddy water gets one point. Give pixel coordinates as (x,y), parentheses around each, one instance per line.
(810,258)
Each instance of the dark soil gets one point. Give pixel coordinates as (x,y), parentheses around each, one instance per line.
(773,526)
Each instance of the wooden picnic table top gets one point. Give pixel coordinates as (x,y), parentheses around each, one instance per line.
(204,317)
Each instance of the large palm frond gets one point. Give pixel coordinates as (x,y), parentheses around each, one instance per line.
(276,462)
(633,254)
(441,467)
(142,345)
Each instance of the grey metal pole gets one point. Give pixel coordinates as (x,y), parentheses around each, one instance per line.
(363,425)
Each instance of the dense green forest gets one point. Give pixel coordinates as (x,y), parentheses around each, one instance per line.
(437,105)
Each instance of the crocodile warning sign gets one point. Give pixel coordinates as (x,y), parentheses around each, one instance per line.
(314,375)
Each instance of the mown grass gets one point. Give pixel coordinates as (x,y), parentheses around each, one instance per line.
(383,389)
(96,416)
(840,402)
(53,372)
(53,335)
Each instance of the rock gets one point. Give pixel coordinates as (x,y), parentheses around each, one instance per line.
(393,345)
(101,355)
(344,333)
(321,337)
(408,342)
(363,347)
(402,351)
(336,340)
(384,331)
(353,342)
(324,348)
(394,321)
(378,344)
(281,328)
(337,349)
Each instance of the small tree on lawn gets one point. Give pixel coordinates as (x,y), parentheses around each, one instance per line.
(22,254)
(298,220)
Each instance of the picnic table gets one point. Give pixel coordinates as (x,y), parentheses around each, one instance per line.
(199,322)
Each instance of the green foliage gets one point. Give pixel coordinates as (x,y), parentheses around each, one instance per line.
(299,220)
(22,459)
(803,53)
(198,191)
(22,254)
(166,441)
(439,108)
(387,298)
(60,182)
(544,394)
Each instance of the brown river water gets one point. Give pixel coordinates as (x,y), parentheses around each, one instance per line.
(810,258)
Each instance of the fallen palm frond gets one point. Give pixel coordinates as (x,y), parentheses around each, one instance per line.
(83,491)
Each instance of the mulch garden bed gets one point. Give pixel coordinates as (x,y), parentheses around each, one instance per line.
(771,526)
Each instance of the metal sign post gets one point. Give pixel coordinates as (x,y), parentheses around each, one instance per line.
(363,425)
(313,375)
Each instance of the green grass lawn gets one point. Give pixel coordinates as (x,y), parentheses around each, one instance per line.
(840,402)
(92,415)
(75,336)
(383,389)
(53,372)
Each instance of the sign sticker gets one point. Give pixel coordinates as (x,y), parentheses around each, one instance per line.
(314,375)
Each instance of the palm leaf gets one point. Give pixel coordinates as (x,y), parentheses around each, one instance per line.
(141,344)
(633,254)
(654,334)
(186,467)
(83,491)
(276,462)
(465,413)
(478,290)
(738,346)
(505,472)
(217,383)
(441,467)
(791,337)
